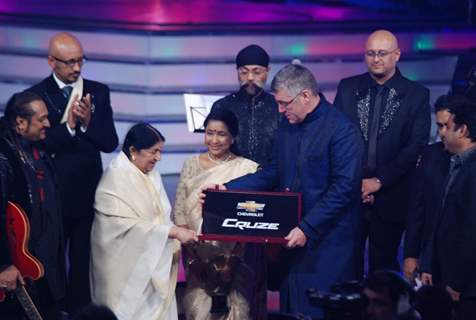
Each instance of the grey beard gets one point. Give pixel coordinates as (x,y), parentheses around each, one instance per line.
(251,88)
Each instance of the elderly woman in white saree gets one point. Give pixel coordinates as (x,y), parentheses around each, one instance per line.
(134,247)
(213,269)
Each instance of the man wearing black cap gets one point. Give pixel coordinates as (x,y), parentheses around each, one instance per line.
(255,109)
(257,114)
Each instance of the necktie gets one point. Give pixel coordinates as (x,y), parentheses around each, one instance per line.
(66,91)
(374,125)
(455,165)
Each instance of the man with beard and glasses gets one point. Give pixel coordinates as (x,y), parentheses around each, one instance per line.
(257,114)
(393,114)
(82,126)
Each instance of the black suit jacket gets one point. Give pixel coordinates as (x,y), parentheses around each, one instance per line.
(404,129)
(77,159)
(452,245)
(428,186)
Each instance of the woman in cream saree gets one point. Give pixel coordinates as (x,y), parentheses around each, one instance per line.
(134,244)
(214,269)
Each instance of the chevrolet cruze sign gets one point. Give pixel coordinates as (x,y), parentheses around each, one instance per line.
(250,216)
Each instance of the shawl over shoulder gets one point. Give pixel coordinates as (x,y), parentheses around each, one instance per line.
(133,262)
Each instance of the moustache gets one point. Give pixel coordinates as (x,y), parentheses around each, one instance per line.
(255,85)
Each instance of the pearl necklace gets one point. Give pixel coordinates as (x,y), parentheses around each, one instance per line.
(219,161)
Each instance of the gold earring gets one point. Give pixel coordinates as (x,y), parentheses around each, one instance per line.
(133,157)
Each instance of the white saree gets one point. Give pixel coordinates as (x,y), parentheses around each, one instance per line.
(133,262)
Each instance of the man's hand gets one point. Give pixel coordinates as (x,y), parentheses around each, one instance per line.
(202,194)
(82,110)
(9,278)
(454,294)
(370,186)
(370,199)
(296,238)
(410,266)
(426,279)
(72,117)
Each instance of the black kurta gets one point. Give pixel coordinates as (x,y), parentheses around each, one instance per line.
(258,120)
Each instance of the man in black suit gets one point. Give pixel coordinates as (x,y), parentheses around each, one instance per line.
(426,190)
(27,179)
(448,256)
(82,126)
(393,114)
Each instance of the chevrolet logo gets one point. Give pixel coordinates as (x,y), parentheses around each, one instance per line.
(250,206)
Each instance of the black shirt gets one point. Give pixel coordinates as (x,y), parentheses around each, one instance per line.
(258,120)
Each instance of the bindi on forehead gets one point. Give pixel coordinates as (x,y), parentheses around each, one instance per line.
(210,130)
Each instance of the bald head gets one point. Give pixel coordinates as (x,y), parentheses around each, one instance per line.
(381,55)
(382,38)
(63,42)
(65,56)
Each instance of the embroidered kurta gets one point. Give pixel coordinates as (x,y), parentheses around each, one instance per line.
(133,262)
(258,119)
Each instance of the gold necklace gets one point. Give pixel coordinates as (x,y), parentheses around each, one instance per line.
(219,161)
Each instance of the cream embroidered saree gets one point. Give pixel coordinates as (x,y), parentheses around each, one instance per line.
(133,262)
(197,300)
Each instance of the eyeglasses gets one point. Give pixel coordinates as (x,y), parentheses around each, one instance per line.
(70,63)
(380,54)
(257,72)
(286,104)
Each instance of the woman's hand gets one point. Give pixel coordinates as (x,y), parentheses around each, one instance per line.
(183,235)
(203,195)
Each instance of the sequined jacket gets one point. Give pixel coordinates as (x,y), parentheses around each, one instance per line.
(404,130)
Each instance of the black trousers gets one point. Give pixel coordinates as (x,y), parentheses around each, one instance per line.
(466,309)
(384,240)
(78,243)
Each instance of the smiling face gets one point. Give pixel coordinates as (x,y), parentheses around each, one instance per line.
(145,159)
(218,139)
(450,136)
(34,129)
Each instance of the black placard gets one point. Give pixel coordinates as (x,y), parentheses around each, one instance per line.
(250,216)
